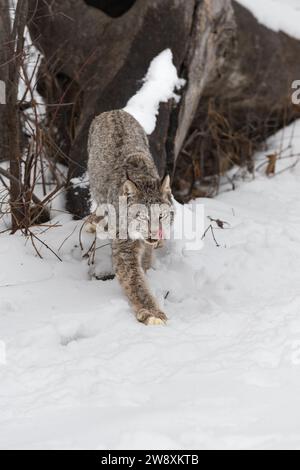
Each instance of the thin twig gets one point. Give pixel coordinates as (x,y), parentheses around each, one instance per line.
(213,234)
(44,244)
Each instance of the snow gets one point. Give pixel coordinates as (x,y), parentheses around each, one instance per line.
(159,84)
(81,373)
(81,181)
(278,15)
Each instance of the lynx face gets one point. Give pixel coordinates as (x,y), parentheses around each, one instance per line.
(150,210)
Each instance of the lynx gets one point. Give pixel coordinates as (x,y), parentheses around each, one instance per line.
(121,165)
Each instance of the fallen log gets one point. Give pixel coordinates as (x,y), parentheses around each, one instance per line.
(97,62)
(96,54)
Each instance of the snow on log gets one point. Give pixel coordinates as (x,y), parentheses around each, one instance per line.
(159,86)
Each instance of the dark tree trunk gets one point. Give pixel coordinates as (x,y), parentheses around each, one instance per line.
(19,213)
(4,73)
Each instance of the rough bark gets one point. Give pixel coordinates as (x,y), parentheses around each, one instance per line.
(4,39)
(212,39)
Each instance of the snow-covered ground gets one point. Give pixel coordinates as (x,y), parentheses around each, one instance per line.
(80,372)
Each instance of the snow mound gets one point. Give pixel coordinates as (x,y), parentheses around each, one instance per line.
(81,182)
(159,85)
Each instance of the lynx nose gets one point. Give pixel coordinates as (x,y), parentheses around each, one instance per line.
(157,236)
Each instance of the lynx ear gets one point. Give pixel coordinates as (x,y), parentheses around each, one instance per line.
(129,188)
(166,185)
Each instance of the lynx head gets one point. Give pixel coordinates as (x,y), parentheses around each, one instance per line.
(150,209)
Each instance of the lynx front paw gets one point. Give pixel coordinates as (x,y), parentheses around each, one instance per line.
(152,317)
(155,321)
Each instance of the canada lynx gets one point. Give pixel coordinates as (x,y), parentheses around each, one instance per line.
(120,164)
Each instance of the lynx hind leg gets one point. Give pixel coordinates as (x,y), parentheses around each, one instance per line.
(90,228)
(91,223)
